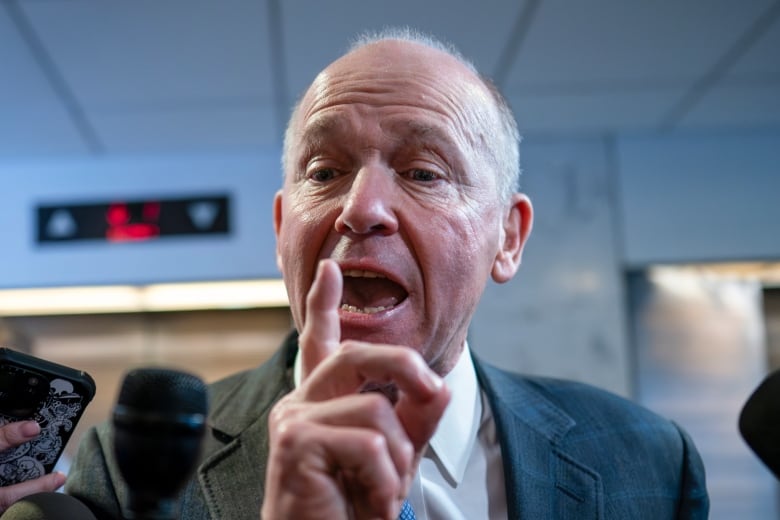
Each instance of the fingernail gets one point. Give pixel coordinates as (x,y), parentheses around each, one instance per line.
(320,268)
(30,428)
(59,479)
(433,381)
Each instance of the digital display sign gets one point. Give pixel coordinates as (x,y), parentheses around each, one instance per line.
(133,220)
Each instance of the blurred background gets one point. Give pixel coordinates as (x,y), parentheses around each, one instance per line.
(139,152)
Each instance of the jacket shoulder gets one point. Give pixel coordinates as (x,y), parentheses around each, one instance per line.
(588,406)
(641,458)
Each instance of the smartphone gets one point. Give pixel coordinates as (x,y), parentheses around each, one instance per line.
(53,395)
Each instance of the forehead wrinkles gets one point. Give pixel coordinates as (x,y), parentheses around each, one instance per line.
(461,102)
(404,131)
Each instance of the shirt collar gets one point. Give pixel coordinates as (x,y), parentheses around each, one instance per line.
(456,434)
(451,445)
(298,369)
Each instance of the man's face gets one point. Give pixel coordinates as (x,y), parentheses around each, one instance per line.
(388,175)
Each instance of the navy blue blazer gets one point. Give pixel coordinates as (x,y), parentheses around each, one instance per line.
(569,451)
(574,451)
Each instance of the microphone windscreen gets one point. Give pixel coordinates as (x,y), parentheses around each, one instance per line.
(160,390)
(48,506)
(759,422)
(159,423)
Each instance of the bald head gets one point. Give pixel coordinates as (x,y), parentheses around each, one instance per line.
(403,59)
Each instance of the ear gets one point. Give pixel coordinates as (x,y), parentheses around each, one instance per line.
(278,226)
(516,229)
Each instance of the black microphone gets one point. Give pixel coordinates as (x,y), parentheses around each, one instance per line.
(759,422)
(48,506)
(159,421)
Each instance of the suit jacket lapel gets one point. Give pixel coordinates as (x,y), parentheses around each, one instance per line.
(543,479)
(234,472)
(238,445)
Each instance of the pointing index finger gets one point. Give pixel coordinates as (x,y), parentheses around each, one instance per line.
(321,332)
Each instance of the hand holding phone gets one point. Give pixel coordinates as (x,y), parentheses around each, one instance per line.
(50,394)
(12,435)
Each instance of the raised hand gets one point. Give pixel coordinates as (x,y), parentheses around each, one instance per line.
(337,451)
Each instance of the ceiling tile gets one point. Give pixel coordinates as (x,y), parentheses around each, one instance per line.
(211,129)
(616,44)
(316,32)
(23,82)
(592,112)
(734,106)
(762,60)
(33,121)
(38,131)
(148,51)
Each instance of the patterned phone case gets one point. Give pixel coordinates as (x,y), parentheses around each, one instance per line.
(54,395)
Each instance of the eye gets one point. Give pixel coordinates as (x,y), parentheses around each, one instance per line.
(323,175)
(422,175)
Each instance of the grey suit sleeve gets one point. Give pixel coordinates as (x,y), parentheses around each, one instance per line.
(93,474)
(694,503)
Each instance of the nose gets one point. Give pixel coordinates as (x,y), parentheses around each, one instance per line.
(368,207)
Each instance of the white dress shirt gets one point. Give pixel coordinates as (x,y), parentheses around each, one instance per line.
(461,476)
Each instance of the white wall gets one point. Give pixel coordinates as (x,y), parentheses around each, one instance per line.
(604,206)
(710,197)
(563,313)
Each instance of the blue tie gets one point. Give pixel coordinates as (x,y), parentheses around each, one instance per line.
(407,513)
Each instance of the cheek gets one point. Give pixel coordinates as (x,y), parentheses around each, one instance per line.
(302,236)
(298,249)
(461,252)
(302,228)
(475,236)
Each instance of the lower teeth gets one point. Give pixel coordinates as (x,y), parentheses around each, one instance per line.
(364,310)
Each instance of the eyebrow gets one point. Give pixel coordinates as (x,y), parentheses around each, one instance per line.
(410,133)
(420,129)
(327,125)
(322,126)
(315,132)
(429,135)
(421,132)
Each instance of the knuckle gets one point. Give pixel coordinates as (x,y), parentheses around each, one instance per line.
(287,434)
(279,411)
(286,423)
(409,356)
(375,445)
(349,347)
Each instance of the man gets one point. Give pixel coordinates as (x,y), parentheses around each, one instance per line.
(398,204)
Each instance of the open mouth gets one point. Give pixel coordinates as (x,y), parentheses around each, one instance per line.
(369,292)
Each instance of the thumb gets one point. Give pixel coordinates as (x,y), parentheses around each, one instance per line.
(321,332)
